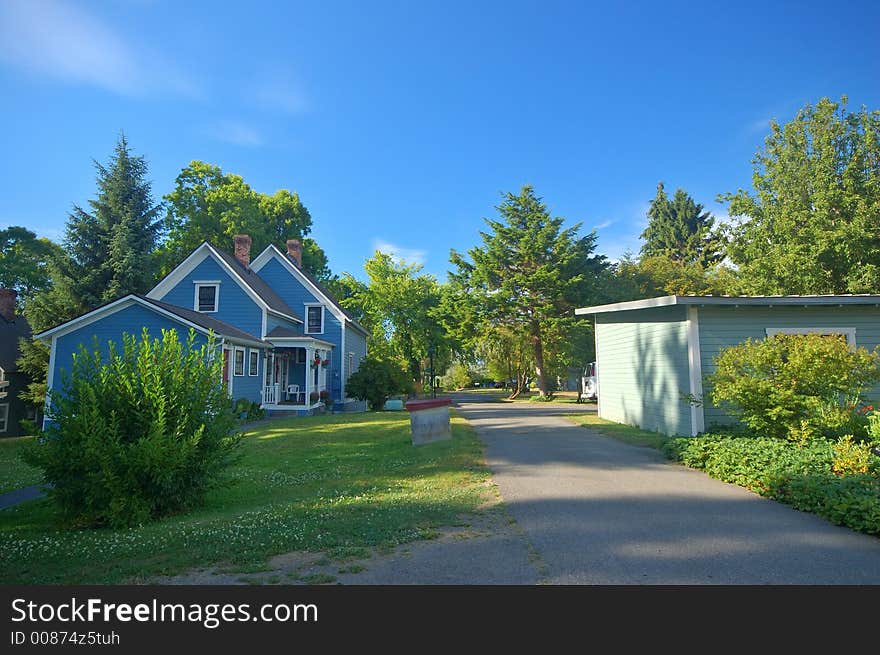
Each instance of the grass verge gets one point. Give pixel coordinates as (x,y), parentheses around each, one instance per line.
(316,483)
(619,431)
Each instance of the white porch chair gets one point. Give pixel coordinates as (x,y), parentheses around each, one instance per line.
(293,390)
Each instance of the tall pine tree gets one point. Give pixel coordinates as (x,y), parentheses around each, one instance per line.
(110,248)
(530,274)
(107,253)
(680,230)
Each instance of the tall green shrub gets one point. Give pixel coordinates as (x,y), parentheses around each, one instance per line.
(376,380)
(139,433)
(786,383)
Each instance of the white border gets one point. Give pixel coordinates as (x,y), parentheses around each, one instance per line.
(253,351)
(695,370)
(848,332)
(6,417)
(243,351)
(306,321)
(198,285)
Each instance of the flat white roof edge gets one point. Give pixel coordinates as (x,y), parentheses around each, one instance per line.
(664,301)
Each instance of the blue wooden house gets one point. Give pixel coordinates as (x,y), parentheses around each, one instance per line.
(284,338)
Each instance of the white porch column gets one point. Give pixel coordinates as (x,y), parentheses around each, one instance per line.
(310,356)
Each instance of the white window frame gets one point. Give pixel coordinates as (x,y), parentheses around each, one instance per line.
(235,352)
(253,356)
(4,417)
(3,383)
(207,283)
(848,332)
(306,326)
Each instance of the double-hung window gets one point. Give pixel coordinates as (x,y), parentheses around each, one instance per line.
(238,362)
(314,319)
(253,362)
(4,417)
(207,296)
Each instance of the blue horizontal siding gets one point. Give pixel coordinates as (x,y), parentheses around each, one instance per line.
(234,305)
(298,296)
(131,320)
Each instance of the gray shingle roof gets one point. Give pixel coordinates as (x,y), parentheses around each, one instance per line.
(258,285)
(209,323)
(284,332)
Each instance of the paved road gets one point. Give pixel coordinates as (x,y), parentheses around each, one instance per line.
(598,511)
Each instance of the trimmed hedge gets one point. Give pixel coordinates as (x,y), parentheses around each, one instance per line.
(799,475)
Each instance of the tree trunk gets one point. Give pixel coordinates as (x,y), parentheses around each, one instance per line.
(538,346)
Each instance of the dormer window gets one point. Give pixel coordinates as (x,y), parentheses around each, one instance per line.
(314,319)
(207,296)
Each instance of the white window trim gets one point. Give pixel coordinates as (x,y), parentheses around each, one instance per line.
(253,352)
(309,305)
(235,352)
(4,417)
(848,332)
(3,383)
(206,283)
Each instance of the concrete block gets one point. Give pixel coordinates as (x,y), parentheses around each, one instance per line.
(429,420)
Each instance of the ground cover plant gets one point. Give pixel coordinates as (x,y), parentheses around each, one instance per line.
(325,483)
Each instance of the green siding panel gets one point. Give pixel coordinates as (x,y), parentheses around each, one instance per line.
(721,327)
(643,368)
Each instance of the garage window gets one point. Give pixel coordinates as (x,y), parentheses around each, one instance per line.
(848,332)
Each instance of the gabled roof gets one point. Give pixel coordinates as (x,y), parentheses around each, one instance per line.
(764,301)
(260,287)
(247,278)
(199,322)
(280,331)
(10,333)
(202,320)
(305,276)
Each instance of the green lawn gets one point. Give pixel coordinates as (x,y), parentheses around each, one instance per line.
(14,473)
(619,431)
(329,483)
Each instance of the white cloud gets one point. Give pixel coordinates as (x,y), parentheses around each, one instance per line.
(603,225)
(411,255)
(61,41)
(236,133)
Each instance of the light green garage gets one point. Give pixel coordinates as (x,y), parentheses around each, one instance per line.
(652,353)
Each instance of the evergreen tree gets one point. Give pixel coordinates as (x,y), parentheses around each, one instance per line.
(530,274)
(110,249)
(680,230)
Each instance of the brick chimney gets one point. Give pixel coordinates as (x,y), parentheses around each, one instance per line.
(295,250)
(243,249)
(7,304)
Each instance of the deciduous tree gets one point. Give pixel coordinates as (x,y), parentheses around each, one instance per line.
(809,226)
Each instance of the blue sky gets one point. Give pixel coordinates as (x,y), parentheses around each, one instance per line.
(400,123)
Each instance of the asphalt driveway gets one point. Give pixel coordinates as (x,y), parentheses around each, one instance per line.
(598,511)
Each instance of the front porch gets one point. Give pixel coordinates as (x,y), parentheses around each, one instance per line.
(296,374)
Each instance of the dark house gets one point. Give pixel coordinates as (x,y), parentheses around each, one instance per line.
(12,382)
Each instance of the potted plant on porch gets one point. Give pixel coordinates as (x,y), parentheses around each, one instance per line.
(313,397)
(327,399)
